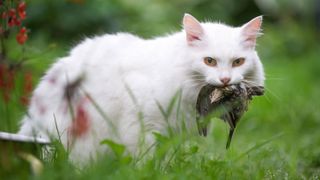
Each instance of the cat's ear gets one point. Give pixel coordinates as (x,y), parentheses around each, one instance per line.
(250,31)
(193,29)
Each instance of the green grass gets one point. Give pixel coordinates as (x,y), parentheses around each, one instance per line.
(278,138)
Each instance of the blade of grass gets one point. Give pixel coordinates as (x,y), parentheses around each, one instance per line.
(101,112)
(56,126)
(145,152)
(140,116)
(177,148)
(259,145)
(166,113)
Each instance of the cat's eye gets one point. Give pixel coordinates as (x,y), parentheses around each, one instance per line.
(210,61)
(238,62)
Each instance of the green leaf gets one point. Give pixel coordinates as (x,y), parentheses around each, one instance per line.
(118,149)
(159,137)
(194,149)
(126,160)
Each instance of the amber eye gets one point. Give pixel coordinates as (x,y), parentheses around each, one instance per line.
(238,62)
(210,61)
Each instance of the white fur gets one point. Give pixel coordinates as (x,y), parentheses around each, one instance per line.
(127,75)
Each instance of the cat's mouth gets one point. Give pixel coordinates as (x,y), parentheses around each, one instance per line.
(222,85)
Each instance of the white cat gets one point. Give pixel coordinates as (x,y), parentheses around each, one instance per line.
(112,86)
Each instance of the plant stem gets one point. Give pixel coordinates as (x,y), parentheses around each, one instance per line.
(3,50)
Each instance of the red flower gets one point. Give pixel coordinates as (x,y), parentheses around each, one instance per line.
(7,77)
(27,88)
(12,17)
(12,12)
(23,30)
(17,21)
(80,124)
(22,36)
(22,6)
(22,10)
(12,21)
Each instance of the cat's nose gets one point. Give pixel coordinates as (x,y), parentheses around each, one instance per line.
(225,80)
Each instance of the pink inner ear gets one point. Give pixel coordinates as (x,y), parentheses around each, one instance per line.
(192,28)
(192,37)
(251,39)
(254,26)
(251,31)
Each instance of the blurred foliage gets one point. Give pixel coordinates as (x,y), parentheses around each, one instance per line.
(72,19)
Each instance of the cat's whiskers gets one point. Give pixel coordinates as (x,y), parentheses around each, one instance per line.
(195,78)
(267,77)
(193,82)
(252,83)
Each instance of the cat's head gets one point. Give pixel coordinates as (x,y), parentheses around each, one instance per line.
(224,55)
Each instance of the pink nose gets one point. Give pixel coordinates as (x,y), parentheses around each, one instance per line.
(225,80)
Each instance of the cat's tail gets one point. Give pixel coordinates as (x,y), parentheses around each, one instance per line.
(48,106)
(28,128)
(25,127)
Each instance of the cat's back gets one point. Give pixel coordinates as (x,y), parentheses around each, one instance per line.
(107,43)
(105,54)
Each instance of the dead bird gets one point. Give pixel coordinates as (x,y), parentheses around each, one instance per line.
(231,101)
